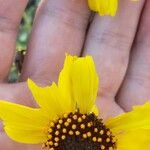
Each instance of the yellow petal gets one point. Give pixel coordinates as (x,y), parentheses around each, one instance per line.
(65,84)
(93,4)
(49,98)
(26,136)
(135,120)
(136,140)
(84,81)
(23,124)
(104,7)
(95,110)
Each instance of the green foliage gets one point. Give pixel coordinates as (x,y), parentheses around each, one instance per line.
(26,25)
(24,31)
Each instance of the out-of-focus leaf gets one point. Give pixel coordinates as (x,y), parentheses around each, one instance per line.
(24,31)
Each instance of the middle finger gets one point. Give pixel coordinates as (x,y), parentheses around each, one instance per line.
(135,89)
(109,41)
(59,27)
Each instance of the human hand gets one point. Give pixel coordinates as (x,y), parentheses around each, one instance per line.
(61,26)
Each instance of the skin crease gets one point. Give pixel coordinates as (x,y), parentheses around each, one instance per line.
(119,46)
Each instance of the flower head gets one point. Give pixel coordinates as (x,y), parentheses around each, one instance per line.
(68,117)
(104,7)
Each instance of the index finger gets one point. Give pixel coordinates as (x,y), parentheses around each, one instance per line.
(59,27)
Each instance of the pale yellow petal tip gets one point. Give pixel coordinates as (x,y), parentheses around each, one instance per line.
(70,58)
(30,82)
(95,110)
(32,85)
(68,55)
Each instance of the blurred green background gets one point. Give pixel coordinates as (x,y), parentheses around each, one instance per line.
(21,46)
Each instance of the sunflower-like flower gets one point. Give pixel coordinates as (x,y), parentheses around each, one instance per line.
(104,7)
(67,118)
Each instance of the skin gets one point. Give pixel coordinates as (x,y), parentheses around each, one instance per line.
(119,46)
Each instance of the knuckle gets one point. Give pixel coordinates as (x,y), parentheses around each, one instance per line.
(70,17)
(113,39)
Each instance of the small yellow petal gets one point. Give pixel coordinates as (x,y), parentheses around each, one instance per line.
(104,7)
(93,4)
(135,120)
(84,81)
(95,110)
(136,140)
(65,84)
(23,124)
(78,82)
(50,99)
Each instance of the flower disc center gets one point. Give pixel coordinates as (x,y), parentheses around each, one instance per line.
(76,131)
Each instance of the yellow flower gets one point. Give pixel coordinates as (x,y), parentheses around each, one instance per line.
(68,117)
(104,7)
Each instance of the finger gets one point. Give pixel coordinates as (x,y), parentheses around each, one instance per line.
(8,144)
(135,89)
(109,41)
(10,16)
(108,108)
(17,93)
(59,27)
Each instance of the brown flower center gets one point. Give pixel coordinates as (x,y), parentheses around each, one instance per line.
(77,131)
